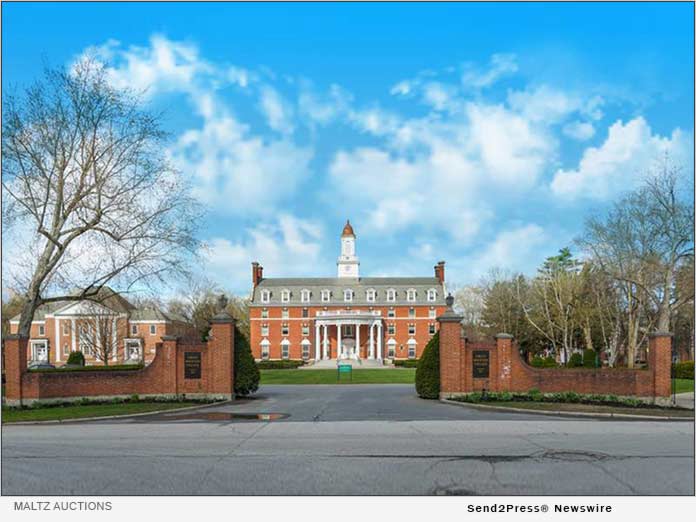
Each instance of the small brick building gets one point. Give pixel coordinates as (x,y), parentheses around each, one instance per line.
(344,317)
(63,327)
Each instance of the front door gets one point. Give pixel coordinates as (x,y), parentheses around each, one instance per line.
(40,350)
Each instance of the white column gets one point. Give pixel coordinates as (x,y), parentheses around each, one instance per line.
(56,325)
(316,341)
(371,354)
(114,340)
(326,341)
(74,334)
(379,341)
(357,340)
(338,343)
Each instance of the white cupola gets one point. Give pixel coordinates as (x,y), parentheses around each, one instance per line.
(348,264)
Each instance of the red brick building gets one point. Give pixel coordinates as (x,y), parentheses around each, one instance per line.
(67,326)
(344,317)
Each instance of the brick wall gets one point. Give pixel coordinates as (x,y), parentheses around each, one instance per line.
(509,372)
(164,376)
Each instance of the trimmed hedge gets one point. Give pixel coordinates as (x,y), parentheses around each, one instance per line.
(406,363)
(246,373)
(100,368)
(562,397)
(589,359)
(279,365)
(428,370)
(575,361)
(76,359)
(683,370)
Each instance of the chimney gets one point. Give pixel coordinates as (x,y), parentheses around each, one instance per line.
(256,273)
(440,271)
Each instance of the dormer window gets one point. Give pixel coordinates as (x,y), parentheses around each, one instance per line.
(411,295)
(285,296)
(348,295)
(391,295)
(432,295)
(265,296)
(371,295)
(325,296)
(305,295)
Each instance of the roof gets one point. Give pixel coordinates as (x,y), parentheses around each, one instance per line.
(348,229)
(359,286)
(155,314)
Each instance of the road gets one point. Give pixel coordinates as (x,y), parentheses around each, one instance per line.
(350,440)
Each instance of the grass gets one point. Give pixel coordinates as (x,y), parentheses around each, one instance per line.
(78,411)
(684,385)
(368,376)
(592,408)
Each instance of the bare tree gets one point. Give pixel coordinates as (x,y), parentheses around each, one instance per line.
(98,332)
(89,191)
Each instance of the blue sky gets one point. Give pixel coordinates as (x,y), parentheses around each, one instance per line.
(480,134)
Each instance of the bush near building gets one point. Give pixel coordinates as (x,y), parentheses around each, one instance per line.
(246,373)
(279,365)
(76,359)
(428,370)
(683,370)
(575,361)
(589,359)
(406,363)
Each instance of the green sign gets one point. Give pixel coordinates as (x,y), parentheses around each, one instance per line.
(344,368)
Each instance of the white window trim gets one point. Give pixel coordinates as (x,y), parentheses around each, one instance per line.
(134,329)
(264,330)
(371,295)
(432,295)
(285,296)
(305,296)
(391,295)
(348,295)
(42,330)
(39,342)
(411,295)
(326,296)
(153,327)
(265,296)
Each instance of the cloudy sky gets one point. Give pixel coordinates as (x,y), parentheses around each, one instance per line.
(478,134)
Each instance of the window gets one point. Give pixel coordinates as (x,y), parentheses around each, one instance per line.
(264,313)
(66,349)
(412,312)
(305,349)
(432,295)
(391,348)
(305,330)
(411,329)
(134,329)
(42,330)
(285,313)
(265,296)
(84,339)
(410,294)
(264,330)
(325,296)
(348,330)
(305,312)
(431,328)
(39,351)
(391,295)
(371,295)
(285,330)
(411,350)
(285,349)
(305,296)
(432,313)
(66,329)
(285,296)
(391,329)
(133,349)
(391,313)
(348,295)
(153,329)
(264,349)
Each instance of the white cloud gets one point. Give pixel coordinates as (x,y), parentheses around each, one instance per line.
(286,247)
(438,95)
(277,111)
(544,103)
(500,66)
(621,161)
(579,130)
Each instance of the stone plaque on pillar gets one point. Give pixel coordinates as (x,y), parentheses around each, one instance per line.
(481,362)
(192,365)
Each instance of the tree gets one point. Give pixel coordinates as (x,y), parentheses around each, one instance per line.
(246,373)
(98,332)
(88,190)
(428,370)
(11,307)
(469,302)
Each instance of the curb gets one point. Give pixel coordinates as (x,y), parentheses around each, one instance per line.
(107,417)
(560,413)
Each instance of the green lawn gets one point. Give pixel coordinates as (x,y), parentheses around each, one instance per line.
(79,411)
(592,408)
(684,385)
(370,376)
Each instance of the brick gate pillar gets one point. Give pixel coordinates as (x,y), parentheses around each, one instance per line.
(221,346)
(15,366)
(503,344)
(451,351)
(660,363)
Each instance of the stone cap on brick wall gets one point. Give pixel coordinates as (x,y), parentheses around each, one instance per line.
(222,317)
(170,337)
(659,333)
(503,336)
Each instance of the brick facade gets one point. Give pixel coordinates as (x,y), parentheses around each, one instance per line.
(163,377)
(509,372)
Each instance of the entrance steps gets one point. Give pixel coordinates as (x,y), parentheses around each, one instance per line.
(331,364)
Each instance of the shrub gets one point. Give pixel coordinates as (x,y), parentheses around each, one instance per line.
(537,362)
(428,370)
(406,363)
(589,359)
(76,359)
(550,362)
(575,360)
(246,373)
(683,370)
(279,365)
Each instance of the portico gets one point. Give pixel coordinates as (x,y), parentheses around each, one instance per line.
(347,326)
